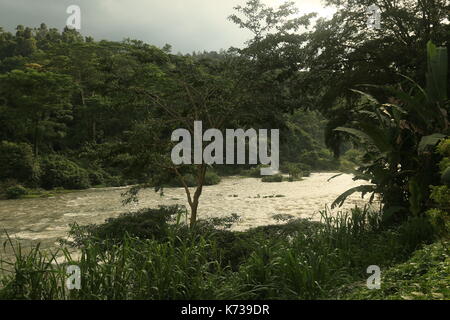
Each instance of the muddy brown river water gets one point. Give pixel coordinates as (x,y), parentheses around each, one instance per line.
(47,219)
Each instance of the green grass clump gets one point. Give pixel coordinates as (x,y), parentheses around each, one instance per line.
(252,172)
(273,178)
(211,178)
(16,192)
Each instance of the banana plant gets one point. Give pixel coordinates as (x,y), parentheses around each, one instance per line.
(399,137)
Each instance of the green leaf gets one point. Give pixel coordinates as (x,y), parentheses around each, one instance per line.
(371,134)
(362,188)
(368,96)
(335,176)
(355,132)
(429,142)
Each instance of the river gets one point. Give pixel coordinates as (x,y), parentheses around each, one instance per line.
(47,219)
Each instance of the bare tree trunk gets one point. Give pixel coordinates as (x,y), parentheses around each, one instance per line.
(198,192)
(193,218)
(36,138)
(193,201)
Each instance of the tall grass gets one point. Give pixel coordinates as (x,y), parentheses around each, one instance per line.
(135,269)
(299,260)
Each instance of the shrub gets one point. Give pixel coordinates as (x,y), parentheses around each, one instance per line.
(15,192)
(445,178)
(61,172)
(293,169)
(416,231)
(273,178)
(351,159)
(96,177)
(211,178)
(113,181)
(310,158)
(423,276)
(252,172)
(175,182)
(144,224)
(440,216)
(17,162)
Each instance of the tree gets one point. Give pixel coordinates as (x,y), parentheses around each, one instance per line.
(271,67)
(180,94)
(343,52)
(17,162)
(399,138)
(40,99)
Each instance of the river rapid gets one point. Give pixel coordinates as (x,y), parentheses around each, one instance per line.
(47,219)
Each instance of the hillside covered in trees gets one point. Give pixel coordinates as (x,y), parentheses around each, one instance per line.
(70,106)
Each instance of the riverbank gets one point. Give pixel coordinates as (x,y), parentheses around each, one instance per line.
(16,191)
(146,255)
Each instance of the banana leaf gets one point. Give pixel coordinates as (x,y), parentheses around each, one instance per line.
(427,143)
(362,188)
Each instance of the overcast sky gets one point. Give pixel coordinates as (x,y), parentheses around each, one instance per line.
(187,25)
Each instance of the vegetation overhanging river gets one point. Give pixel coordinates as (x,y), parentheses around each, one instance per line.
(47,219)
